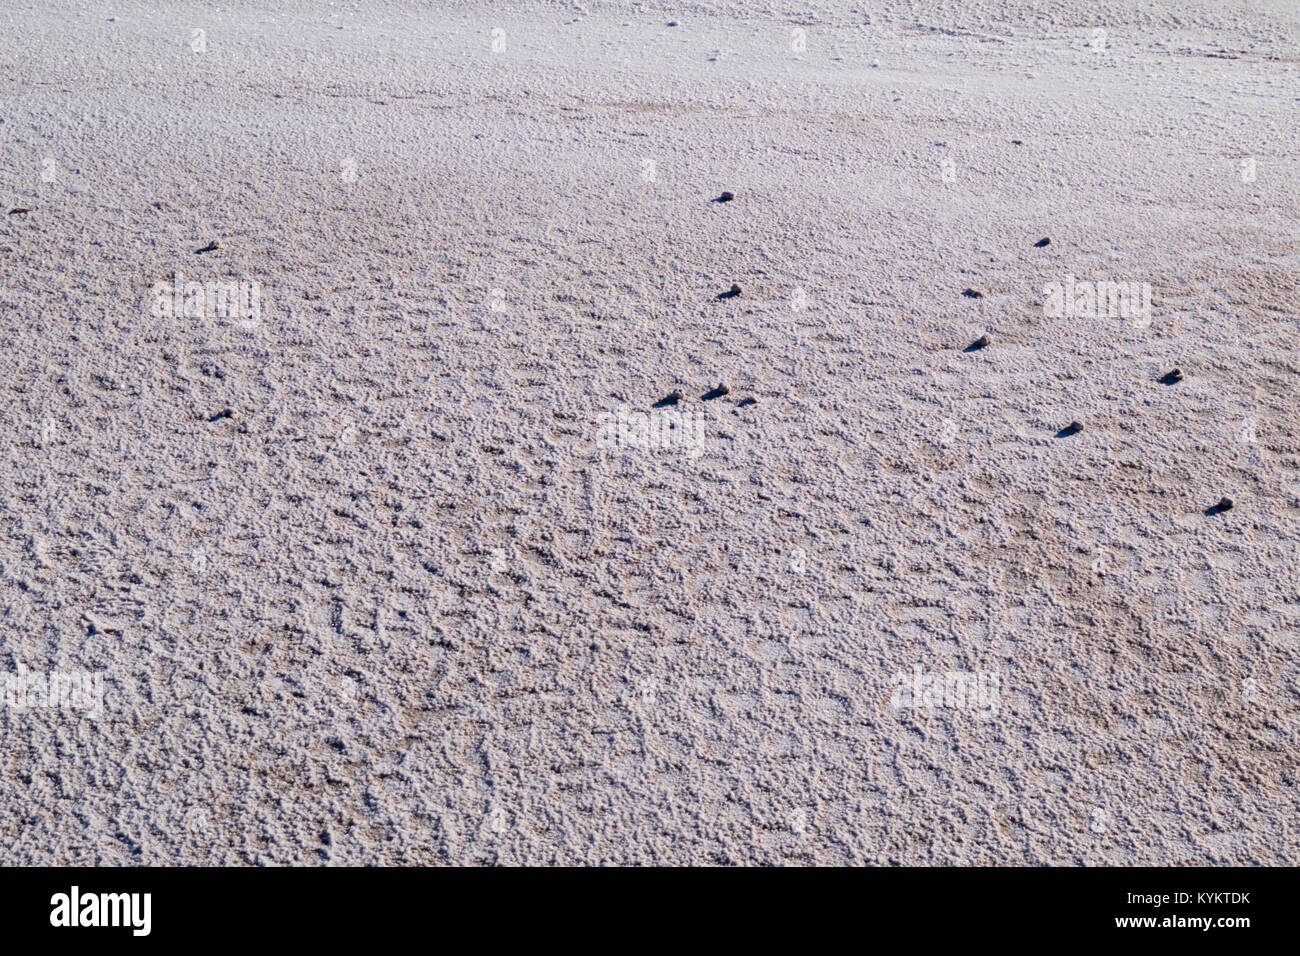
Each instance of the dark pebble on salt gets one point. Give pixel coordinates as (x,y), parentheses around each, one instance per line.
(1042,242)
(672,398)
(730,293)
(1071,429)
(725,197)
(979,343)
(972,294)
(1017,142)
(1172,378)
(716,393)
(210,247)
(224,413)
(744,402)
(18,211)
(1225,504)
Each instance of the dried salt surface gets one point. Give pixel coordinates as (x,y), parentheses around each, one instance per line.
(386,573)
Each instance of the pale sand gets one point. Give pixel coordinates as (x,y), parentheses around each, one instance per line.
(403,606)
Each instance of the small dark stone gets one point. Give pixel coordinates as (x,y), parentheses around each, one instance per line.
(979,343)
(730,293)
(18,211)
(726,197)
(1225,504)
(747,401)
(1071,429)
(716,393)
(1016,142)
(1172,378)
(972,294)
(224,413)
(1042,242)
(672,23)
(210,247)
(672,398)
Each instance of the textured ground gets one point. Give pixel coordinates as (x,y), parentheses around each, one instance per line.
(401,605)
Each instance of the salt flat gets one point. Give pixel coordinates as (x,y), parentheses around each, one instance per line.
(383,554)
